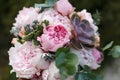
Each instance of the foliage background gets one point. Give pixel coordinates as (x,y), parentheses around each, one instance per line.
(109,27)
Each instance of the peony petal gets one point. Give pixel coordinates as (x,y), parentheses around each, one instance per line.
(64,7)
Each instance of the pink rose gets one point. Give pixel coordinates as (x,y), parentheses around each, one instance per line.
(54,37)
(26,16)
(64,7)
(26,60)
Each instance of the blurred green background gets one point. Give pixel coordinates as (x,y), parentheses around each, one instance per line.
(109,28)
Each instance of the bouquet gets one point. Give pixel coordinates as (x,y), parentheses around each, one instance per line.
(54,42)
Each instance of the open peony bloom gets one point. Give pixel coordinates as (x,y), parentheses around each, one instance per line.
(55,18)
(26,16)
(26,60)
(64,7)
(91,58)
(54,37)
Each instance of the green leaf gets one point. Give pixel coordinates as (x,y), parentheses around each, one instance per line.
(29,37)
(62,50)
(63,72)
(87,69)
(86,76)
(115,51)
(50,2)
(109,45)
(72,59)
(66,62)
(12,76)
(47,4)
(85,73)
(60,60)
(36,42)
(71,69)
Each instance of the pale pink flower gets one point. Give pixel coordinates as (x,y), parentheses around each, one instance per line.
(26,16)
(54,37)
(91,58)
(26,60)
(55,18)
(64,7)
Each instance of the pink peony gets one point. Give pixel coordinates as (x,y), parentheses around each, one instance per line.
(26,16)
(55,18)
(91,58)
(64,7)
(26,60)
(54,37)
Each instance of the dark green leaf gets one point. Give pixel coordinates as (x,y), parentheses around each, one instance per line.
(62,50)
(60,60)
(115,51)
(20,41)
(46,22)
(12,76)
(66,62)
(29,37)
(86,76)
(86,68)
(36,42)
(109,45)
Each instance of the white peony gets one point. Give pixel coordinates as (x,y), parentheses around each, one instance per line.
(26,16)
(26,60)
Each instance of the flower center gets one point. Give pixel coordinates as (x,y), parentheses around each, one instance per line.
(58,34)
